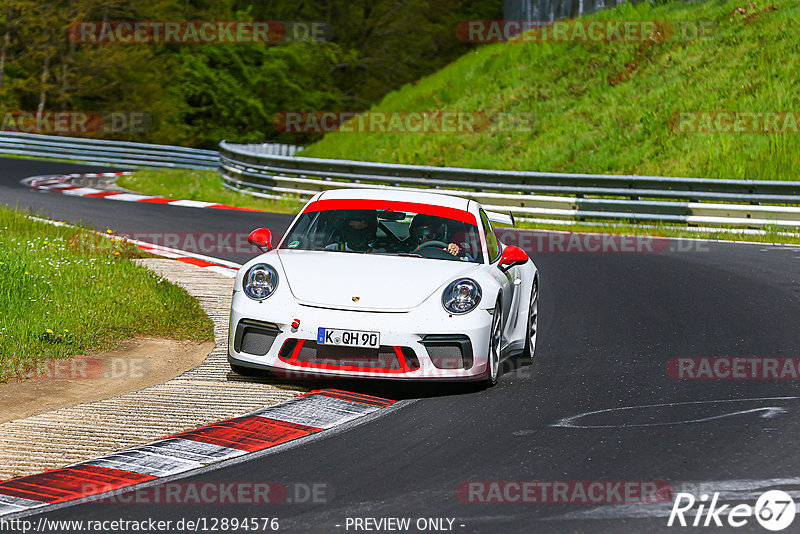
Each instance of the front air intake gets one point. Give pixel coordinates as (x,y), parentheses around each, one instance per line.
(449,351)
(255,337)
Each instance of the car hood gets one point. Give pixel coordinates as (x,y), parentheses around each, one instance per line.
(366,282)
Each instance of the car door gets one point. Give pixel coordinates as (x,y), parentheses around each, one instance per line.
(505,279)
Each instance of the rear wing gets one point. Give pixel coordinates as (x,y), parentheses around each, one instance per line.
(501,218)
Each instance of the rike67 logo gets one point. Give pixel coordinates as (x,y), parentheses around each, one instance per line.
(774,510)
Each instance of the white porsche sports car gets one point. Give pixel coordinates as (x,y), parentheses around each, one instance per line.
(385,284)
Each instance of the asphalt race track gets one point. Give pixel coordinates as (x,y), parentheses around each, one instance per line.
(124,217)
(609,323)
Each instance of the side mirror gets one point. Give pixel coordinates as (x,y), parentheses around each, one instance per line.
(512,256)
(261,238)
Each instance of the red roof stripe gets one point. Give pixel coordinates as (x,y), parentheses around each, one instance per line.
(392,205)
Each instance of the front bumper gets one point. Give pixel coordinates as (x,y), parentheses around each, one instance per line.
(422,344)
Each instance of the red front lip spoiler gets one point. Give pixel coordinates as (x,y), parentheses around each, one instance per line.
(293,360)
(309,374)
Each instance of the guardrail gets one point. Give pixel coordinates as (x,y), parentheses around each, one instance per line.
(103,151)
(272,171)
(693,201)
(270,149)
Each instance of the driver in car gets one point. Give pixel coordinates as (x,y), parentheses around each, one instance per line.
(356,232)
(429,230)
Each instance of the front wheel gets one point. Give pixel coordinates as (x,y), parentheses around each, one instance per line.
(533,321)
(495,337)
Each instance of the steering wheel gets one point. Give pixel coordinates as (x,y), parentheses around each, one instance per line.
(429,244)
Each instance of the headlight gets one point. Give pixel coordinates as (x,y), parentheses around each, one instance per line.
(260,281)
(461,296)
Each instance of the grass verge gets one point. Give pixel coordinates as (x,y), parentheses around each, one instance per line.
(194,184)
(65,291)
(609,106)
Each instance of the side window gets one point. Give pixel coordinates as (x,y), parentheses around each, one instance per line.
(492,246)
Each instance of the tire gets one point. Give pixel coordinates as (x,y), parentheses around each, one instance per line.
(495,339)
(245,371)
(533,322)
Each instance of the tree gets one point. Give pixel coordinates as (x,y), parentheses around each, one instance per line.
(233,91)
(199,93)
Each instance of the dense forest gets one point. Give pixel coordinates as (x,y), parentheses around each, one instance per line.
(198,93)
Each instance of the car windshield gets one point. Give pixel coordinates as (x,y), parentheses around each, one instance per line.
(387,232)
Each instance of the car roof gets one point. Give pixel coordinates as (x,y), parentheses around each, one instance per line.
(421,197)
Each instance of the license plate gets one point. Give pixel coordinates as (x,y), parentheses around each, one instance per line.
(348,338)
